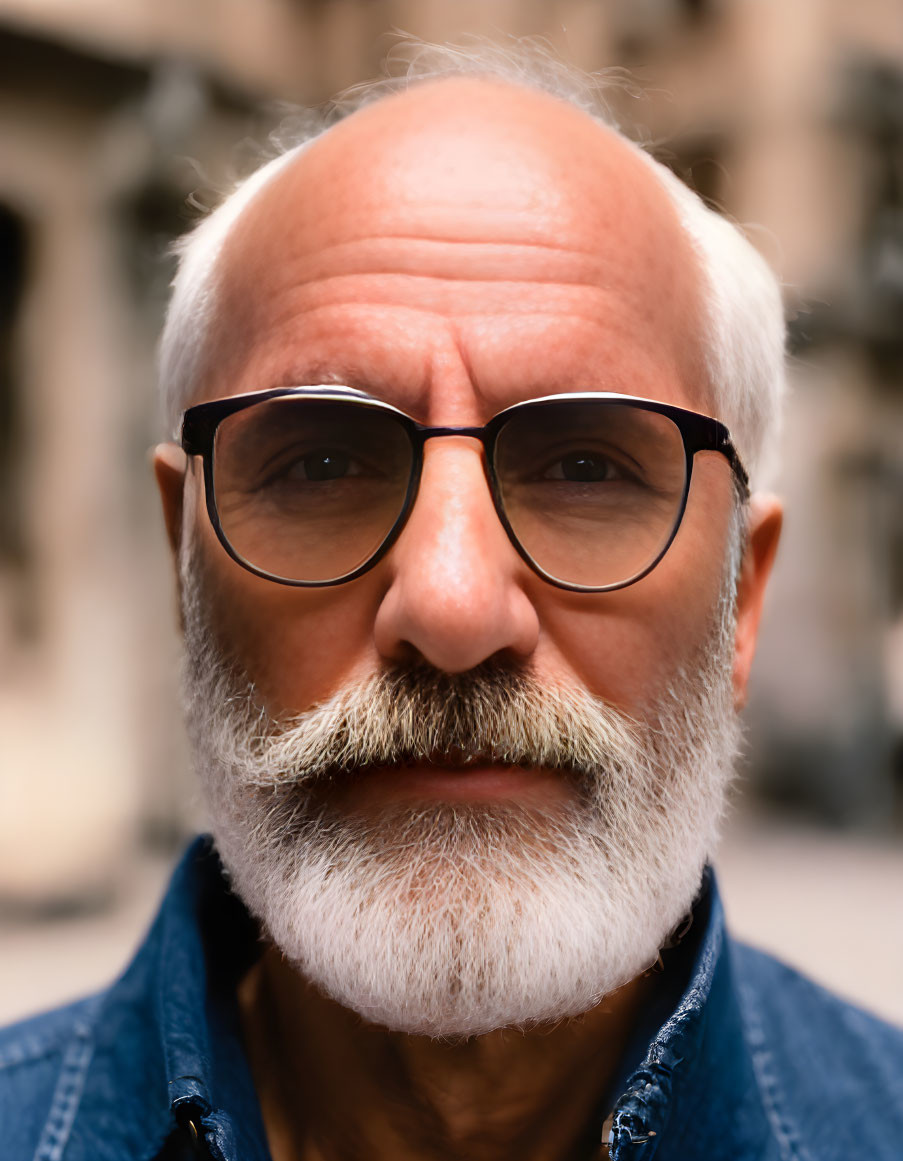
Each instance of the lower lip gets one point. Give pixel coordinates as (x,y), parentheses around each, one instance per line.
(429,782)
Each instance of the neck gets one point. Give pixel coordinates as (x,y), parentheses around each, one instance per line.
(333,1088)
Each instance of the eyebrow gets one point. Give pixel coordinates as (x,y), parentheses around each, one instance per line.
(330,374)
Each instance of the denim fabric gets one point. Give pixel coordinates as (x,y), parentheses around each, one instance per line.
(749,1060)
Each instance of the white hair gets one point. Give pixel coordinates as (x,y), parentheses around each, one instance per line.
(744,328)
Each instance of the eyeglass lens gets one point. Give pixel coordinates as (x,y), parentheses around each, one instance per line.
(309,490)
(306,490)
(592,491)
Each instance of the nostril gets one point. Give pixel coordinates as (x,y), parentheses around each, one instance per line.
(455,623)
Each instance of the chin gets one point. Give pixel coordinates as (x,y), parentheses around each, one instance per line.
(452,922)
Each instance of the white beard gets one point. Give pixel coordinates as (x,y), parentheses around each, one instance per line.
(455,920)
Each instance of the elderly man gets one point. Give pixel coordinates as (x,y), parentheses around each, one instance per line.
(470,582)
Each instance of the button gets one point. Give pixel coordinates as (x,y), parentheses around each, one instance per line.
(607,1137)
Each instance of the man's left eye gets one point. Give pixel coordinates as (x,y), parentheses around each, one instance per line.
(583,467)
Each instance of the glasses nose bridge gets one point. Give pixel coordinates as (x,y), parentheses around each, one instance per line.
(440,432)
(481,434)
(425,433)
(485,438)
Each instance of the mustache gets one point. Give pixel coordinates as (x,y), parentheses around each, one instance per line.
(493,713)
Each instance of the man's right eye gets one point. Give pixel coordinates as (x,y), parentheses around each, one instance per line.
(316,465)
(327,464)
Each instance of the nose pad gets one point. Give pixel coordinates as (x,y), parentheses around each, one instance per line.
(455,598)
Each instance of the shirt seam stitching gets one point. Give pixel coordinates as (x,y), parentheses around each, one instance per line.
(67,1094)
(790,1147)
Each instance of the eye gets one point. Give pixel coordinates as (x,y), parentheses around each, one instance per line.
(583,467)
(323,464)
(318,465)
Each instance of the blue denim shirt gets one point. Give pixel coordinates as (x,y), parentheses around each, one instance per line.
(752,1061)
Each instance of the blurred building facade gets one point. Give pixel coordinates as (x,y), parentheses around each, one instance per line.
(119,119)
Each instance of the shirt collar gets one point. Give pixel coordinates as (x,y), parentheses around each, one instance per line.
(209,943)
(168,1058)
(694,1092)
(168,1043)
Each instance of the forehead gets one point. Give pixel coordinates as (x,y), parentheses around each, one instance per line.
(464,236)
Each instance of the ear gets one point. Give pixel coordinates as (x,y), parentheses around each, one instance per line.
(766,516)
(170,464)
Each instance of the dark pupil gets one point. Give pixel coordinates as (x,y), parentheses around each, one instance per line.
(325,465)
(583,467)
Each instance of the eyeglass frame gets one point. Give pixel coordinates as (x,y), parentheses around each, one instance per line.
(699,432)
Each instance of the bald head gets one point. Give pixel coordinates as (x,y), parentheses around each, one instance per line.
(426,158)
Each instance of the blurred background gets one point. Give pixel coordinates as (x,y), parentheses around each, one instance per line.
(119,122)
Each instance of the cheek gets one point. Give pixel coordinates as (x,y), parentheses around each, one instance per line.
(626,646)
(296,645)
(623,650)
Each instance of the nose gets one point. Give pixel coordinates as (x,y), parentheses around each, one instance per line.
(455,598)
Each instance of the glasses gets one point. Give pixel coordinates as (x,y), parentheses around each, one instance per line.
(311,486)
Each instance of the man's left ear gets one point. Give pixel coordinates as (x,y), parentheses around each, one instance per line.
(766,516)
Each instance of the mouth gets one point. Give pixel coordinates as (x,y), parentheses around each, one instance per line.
(451,780)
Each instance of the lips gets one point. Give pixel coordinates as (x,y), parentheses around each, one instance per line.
(475,779)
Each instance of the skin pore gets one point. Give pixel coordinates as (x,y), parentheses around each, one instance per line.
(454,250)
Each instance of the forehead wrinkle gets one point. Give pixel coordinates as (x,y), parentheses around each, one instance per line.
(445,259)
(285,334)
(454,386)
(344,302)
(337,342)
(384,273)
(585,295)
(437,296)
(337,225)
(389,239)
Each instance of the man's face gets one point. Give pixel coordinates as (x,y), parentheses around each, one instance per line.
(453,269)
(455,251)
